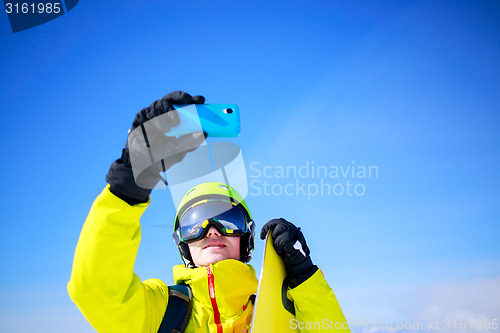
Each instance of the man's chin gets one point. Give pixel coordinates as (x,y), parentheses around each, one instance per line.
(213,256)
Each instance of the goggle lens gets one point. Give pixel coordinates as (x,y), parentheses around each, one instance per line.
(230,219)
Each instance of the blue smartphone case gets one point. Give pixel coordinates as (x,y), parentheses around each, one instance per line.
(217,120)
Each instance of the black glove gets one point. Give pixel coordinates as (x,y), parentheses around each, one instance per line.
(290,244)
(149,151)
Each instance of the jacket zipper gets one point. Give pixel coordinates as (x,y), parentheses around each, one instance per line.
(211,293)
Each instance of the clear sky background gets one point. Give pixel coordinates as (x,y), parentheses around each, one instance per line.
(411,88)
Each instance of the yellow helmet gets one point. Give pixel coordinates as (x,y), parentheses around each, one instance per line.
(207,200)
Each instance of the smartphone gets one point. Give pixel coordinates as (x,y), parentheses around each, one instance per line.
(217,120)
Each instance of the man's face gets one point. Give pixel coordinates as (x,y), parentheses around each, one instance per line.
(214,248)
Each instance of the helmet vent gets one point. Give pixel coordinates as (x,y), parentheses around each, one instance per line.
(224,187)
(192,190)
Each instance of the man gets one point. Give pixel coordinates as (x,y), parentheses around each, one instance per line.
(215,235)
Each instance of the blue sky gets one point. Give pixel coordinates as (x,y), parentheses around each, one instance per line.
(412,88)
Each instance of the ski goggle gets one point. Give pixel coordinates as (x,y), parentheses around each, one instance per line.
(228,218)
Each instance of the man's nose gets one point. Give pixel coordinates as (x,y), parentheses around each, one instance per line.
(213,232)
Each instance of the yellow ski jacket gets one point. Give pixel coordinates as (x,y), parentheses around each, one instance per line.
(113,299)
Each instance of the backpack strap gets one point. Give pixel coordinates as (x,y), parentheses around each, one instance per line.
(178,312)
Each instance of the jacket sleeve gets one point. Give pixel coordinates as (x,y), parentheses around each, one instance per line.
(103,284)
(316,307)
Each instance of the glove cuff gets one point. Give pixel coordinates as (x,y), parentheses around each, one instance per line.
(122,184)
(301,272)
